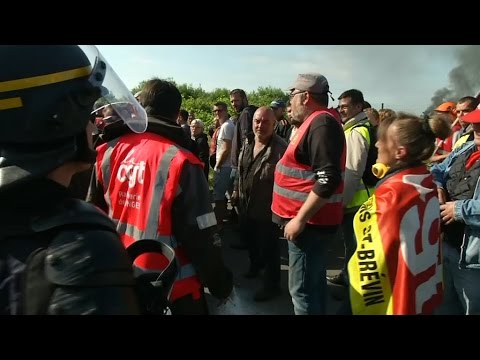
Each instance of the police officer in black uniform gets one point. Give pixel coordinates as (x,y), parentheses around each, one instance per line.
(58,255)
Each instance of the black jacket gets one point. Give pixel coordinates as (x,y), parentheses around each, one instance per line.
(60,256)
(256,201)
(243,127)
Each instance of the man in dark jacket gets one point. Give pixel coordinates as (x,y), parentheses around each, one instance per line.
(243,126)
(283,128)
(254,188)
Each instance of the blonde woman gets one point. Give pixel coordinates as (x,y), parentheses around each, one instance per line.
(396,268)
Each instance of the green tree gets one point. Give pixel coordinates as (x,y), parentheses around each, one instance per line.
(142,83)
(189,92)
(138,87)
(199,101)
(263,96)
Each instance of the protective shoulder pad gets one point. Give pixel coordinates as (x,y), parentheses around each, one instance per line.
(73,212)
(88,258)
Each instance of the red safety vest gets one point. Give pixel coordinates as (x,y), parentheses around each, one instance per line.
(397,266)
(294,181)
(140,175)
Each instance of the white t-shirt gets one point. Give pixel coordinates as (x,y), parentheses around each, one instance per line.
(225,133)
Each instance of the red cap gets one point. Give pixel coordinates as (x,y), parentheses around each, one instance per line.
(472,117)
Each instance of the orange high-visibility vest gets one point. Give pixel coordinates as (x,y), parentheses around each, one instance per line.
(294,181)
(140,175)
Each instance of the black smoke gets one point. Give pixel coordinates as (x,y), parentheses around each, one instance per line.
(464,79)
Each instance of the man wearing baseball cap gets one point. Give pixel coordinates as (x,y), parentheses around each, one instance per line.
(458,180)
(282,126)
(465,105)
(444,147)
(308,188)
(278,104)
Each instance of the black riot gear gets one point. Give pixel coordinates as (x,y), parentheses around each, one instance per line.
(47,93)
(57,255)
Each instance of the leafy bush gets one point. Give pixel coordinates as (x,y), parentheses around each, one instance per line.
(199,101)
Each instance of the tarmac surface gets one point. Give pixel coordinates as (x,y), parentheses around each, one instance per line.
(241,301)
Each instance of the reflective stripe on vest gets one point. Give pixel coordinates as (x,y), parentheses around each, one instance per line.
(362,194)
(185,268)
(302,196)
(150,189)
(294,182)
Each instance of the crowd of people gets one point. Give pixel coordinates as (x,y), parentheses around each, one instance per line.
(399,190)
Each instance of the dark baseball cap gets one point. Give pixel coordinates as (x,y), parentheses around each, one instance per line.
(311,82)
(278,104)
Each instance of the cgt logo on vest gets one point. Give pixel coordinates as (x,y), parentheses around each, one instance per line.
(131,171)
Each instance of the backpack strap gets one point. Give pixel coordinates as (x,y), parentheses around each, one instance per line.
(37,289)
(154,289)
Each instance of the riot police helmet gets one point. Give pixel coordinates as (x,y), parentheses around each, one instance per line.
(47,93)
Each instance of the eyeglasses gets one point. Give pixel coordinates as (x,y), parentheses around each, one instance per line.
(292,95)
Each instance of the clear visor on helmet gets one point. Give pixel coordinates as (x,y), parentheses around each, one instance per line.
(115,95)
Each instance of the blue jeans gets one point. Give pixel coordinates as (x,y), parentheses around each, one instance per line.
(307,272)
(461,286)
(221,183)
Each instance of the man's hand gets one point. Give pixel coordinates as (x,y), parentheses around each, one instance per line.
(293,228)
(447,212)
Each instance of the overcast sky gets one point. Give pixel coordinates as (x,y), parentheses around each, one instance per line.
(403,77)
